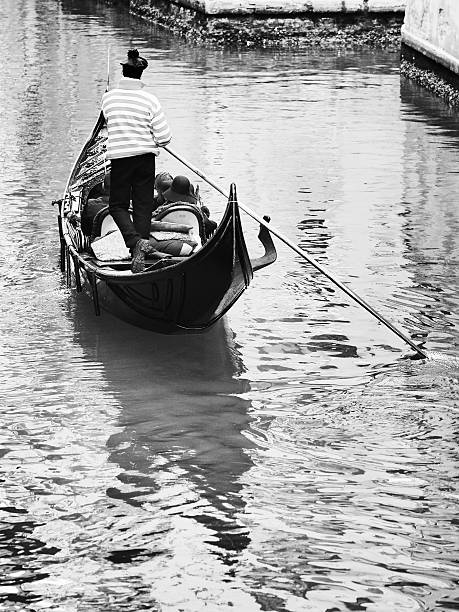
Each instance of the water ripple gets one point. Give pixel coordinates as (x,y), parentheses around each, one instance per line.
(292,458)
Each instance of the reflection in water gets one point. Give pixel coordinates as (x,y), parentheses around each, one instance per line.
(294,463)
(164,498)
(180,446)
(181,443)
(431,176)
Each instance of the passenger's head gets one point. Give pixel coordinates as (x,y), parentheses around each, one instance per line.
(181,190)
(135,65)
(163,181)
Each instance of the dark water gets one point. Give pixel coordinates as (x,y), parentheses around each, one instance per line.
(290,460)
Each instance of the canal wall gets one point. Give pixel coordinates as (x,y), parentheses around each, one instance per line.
(430,46)
(324,23)
(264,7)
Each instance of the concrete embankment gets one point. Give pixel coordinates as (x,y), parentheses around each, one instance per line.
(430,46)
(324,23)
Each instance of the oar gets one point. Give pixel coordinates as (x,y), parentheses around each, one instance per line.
(108,68)
(305,256)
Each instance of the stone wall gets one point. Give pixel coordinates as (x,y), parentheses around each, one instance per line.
(432,27)
(264,7)
(280,23)
(430,46)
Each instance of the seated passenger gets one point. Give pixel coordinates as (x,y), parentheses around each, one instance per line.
(209,225)
(96,201)
(178,240)
(163,181)
(182,190)
(178,232)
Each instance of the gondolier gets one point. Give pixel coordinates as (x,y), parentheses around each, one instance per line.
(137,128)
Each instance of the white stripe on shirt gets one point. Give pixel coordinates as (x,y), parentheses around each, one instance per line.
(135,121)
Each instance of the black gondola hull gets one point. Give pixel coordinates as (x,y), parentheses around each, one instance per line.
(179,295)
(187,297)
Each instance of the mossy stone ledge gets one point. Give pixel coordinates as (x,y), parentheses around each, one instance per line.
(320,23)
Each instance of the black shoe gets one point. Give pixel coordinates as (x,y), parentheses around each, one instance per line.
(142,248)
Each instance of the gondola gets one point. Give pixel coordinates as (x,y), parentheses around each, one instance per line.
(174,295)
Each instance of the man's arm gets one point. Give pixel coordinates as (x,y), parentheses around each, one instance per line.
(159,127)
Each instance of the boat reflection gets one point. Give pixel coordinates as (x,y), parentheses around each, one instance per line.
(181,445)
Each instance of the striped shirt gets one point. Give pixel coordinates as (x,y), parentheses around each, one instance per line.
(135,121)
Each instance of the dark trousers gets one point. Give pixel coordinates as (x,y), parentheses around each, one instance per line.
(132,177)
